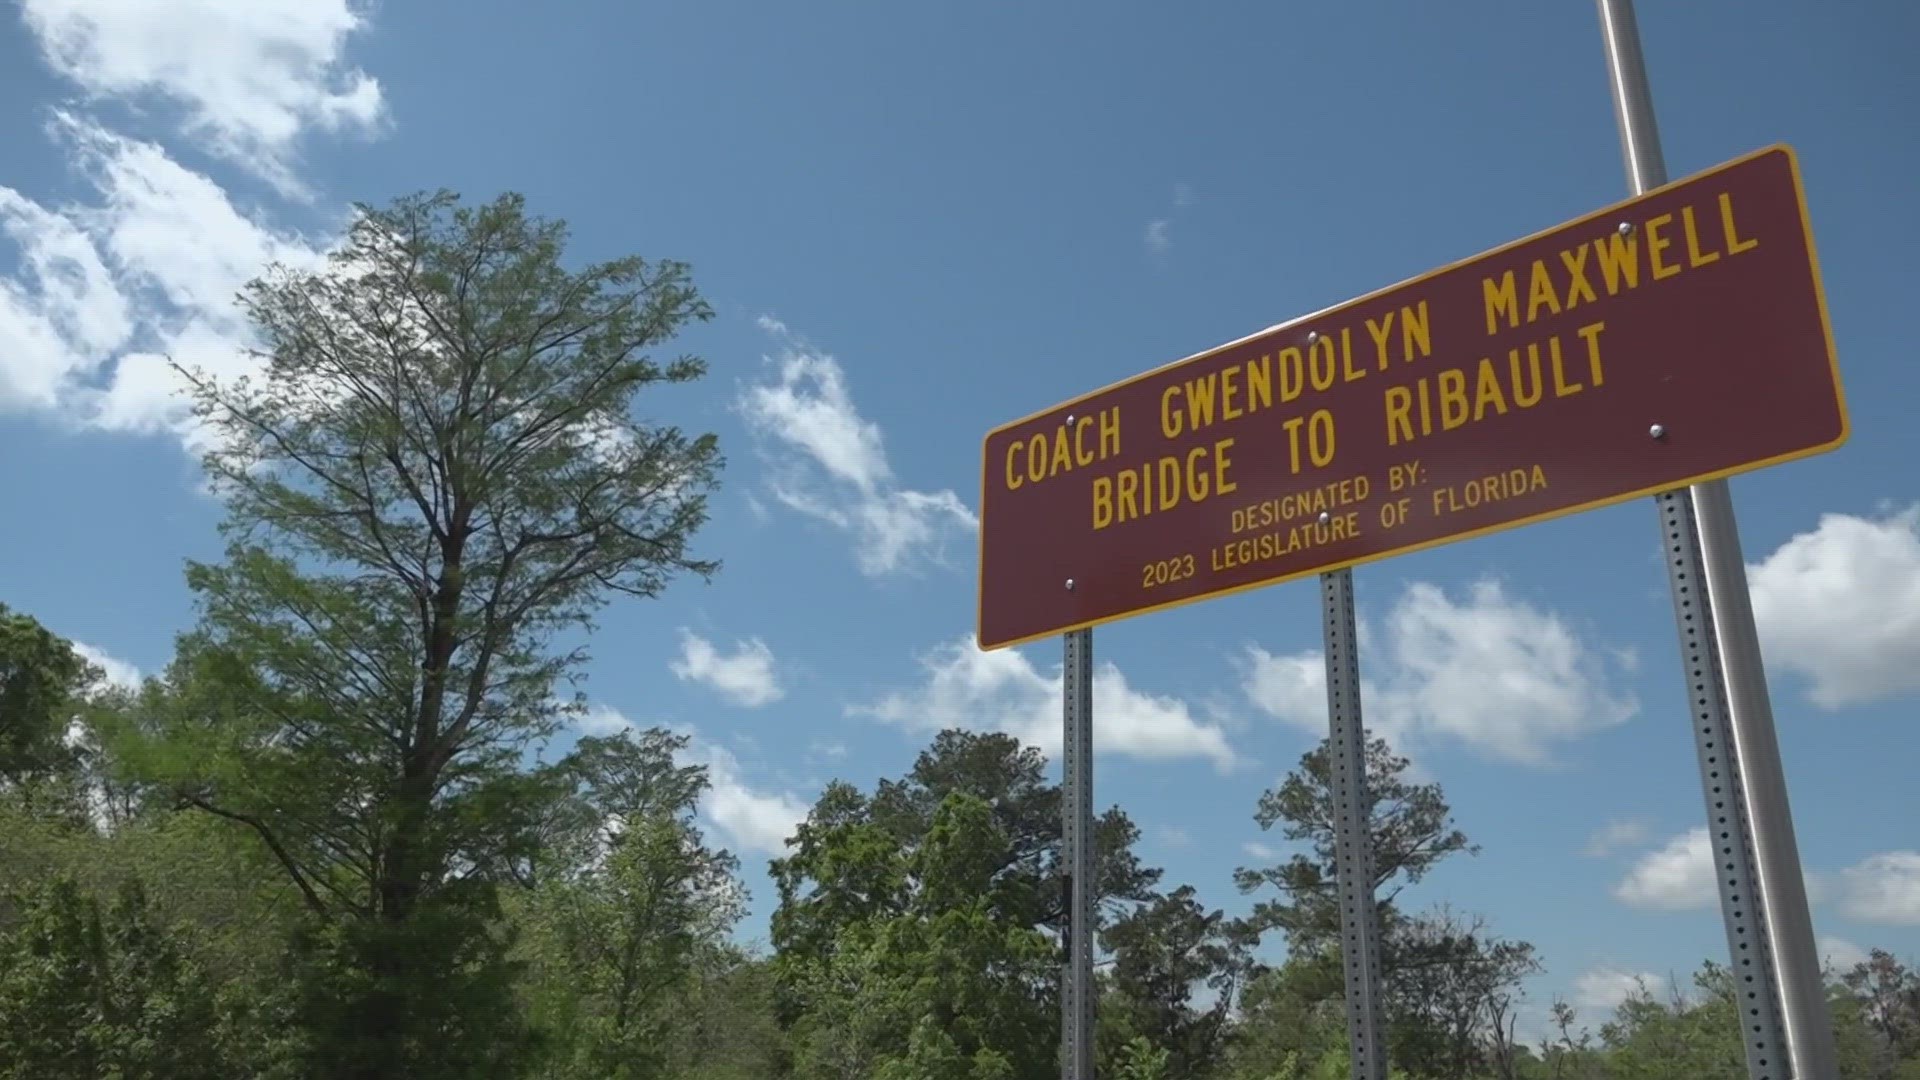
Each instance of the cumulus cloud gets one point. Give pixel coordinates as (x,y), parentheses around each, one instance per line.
(61,314)
(1840,606)
(1003,691)
(1882,888)
(1615,836)
(745,677)
(1487,670)
(1258,850)
(1597,993)
(1677,876)
(749,817)
(115,672)
(754,819)
(179,252)
(830,463)
(601,721)
(1839,953)
(141,264)
(249,77)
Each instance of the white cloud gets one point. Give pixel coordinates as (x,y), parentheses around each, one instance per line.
(1616,836)
(116,672)
(169,227)
(250,76)
(62,315)
(1677,876)
(1489,671)
(754,820)
(168,235)
(1841,606)
(832,462)
(1258,850)
(746,677)
(1172,836)
(815,412)
(1159,230)
(1840,954)
(1294,688)
(1002,691)
(601,721)
(749,818)
(181,251)
(145,267)
(1158,242)
(1883,888)
(142,264)
(1597,993)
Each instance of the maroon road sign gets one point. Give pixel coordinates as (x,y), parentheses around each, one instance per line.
(1676,337)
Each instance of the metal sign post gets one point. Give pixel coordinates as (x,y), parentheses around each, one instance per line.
(1557,373)
(1353,841)
(1762,893)
(1077,998)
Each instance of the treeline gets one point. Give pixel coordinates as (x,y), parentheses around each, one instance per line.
(332,839)
(915,938)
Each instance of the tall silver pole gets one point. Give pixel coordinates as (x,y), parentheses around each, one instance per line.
(1352,840)
(1076,985)
(1757,859)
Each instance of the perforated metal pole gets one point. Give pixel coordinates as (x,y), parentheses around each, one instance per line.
(1076,983)
(1763,897)
(1762,1031)
(1352,841)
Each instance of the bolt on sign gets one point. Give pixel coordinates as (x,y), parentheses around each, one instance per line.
(1673,338)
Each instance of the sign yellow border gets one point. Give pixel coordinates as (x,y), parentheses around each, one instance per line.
(1826,327)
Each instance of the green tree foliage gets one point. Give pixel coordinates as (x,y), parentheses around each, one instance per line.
(1453,993)
(1164,952)
(923,957)
(206,961)
(1650,1038)
(435,477)
(1011,780)
(88,993)
(1410,824)
(1450,987)
(1567,1053)
(1140,1059)
(1289,1023)
(41,684)
(1882,996)
(849,868)
(621,937)
(728,1030)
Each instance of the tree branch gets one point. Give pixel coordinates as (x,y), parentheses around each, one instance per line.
(314,903)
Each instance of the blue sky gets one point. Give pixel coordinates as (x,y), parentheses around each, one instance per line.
(919,221)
